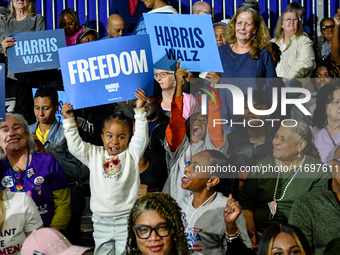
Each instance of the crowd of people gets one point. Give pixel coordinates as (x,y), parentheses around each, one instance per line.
(152,161)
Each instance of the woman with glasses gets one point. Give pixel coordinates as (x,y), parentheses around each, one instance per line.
(297,54)
(155,227)
(326,121)
(327,30)
(168,84)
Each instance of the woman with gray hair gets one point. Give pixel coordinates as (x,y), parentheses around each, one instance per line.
(38,174)
(276,181)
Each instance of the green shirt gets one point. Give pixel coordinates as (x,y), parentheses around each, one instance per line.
(258,189)
(317,214)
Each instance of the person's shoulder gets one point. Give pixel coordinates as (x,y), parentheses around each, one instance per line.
(313,160)
(223,48)
(266,160)
(43,157)
(238,135)
(312,196)
(33,127)
(315,130)
(304,39)
(36,17)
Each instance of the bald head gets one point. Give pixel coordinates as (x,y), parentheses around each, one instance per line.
(201,8)
(115,26)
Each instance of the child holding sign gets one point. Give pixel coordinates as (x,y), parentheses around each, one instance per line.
(114,172)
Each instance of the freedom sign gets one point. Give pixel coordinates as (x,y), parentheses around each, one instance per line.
(187,38)
(2,92)
(35,51)
(107,71)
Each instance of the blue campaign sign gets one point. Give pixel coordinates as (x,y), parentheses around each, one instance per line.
(35,51)
(2,92)
(107,71)
(188,38)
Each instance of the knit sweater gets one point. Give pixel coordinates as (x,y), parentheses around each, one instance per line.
(317,214)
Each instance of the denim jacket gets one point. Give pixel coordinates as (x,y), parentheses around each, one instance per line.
(56,145)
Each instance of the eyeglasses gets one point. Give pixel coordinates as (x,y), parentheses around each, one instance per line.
(291,20)
(161,75)
(337,160)
(206,12)
(162,229)
(327,27)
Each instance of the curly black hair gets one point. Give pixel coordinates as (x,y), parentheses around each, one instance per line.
(49,92)
(323,98)
(120,117)
(167,207)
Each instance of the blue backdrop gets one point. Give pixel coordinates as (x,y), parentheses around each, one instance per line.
(102,10)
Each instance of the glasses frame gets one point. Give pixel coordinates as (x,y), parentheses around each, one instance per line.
(291,20)
(327,27)
(337,160)
(156,76)
(206,12)
(136,228)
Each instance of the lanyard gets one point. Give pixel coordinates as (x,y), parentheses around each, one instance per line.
(11,171)
(330,136)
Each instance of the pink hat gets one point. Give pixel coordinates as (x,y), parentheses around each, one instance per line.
(49,241)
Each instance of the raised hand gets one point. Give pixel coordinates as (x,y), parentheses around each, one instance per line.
(232,210)
(141,98)
(67,111)
(38,145)
(336,18)
(213,78)
(143,189)
(180,74)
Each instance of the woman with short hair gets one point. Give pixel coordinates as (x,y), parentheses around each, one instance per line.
(38,174)
(294,169)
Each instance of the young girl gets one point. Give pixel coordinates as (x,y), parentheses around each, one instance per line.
(114,172)
(227,231)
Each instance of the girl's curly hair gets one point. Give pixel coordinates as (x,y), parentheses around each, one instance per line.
(167,207)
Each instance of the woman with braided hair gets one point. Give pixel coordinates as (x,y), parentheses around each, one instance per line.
(155,226)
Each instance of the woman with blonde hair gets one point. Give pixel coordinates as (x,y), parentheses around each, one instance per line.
(246,55)
(283,239)
(297,54)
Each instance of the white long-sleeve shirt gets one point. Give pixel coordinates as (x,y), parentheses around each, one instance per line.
(114,186)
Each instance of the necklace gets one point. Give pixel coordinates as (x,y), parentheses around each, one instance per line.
(25,173)
(196,209)
(273,205)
